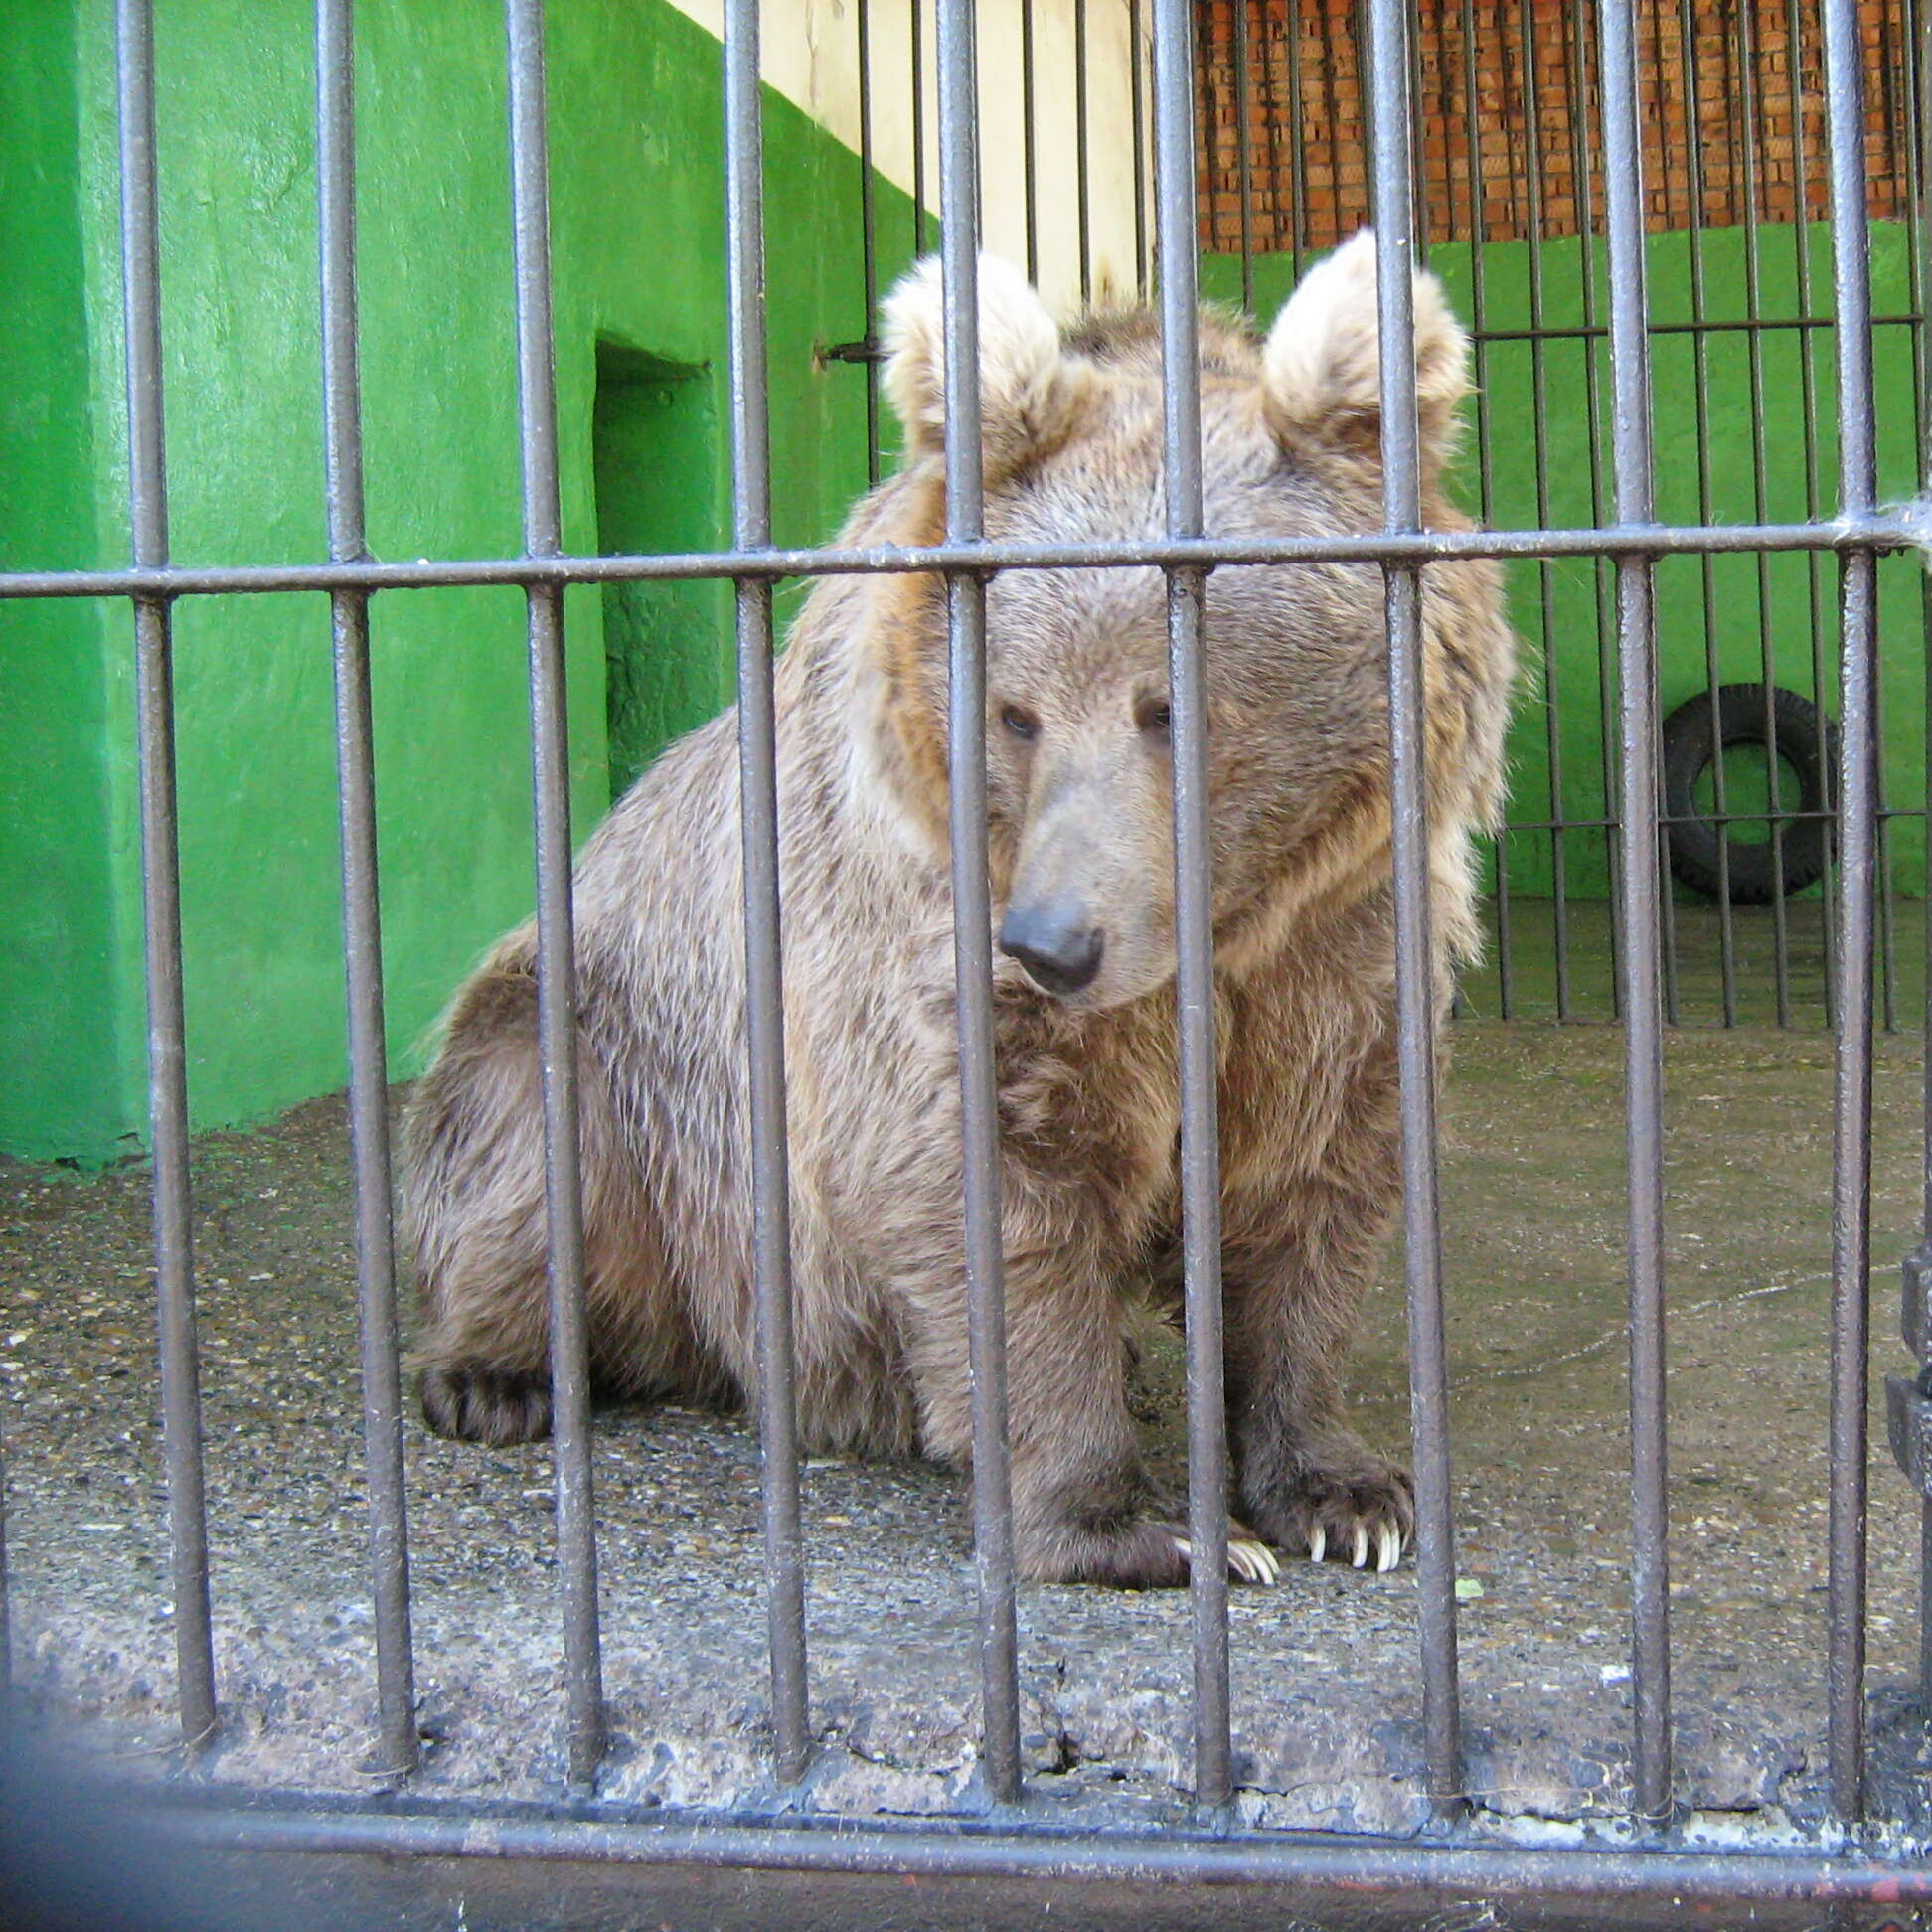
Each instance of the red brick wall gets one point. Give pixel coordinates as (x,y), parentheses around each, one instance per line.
(1722,118)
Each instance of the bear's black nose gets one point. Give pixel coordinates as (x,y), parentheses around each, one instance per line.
(1054,943)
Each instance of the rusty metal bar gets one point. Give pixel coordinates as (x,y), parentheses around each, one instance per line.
(181,1418)
(1858,840)
(764,983)
(556,1028)
(361,924)
(1639,915)
(1415,975)
(972,904)
(1174,178)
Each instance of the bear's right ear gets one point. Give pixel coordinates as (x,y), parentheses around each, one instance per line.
(1027,385)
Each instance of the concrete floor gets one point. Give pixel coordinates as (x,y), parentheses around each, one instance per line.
(1325,1664)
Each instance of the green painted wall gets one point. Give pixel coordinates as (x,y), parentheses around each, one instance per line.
(637,223)
(1533,428)
(64,1025)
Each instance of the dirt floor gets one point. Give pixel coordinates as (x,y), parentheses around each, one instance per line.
(1325,1664)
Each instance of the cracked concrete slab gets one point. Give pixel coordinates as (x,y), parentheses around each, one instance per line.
(1326,1681)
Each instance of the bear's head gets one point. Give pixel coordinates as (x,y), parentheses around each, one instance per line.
(1078,753)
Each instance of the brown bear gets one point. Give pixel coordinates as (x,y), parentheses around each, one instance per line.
(1081,877)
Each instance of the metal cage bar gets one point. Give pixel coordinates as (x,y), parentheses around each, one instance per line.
(147,489)
(1857,534)
(1415,975)
(972,902)
(1760,498)
(1922,222)
(557,1027)
(1174,186)
(758,805)
(1857,836)
(6,1602)
(1900,527)
(1638,912)
(362,924)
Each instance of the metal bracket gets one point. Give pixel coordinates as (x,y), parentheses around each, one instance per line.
(1908,1418)
(1915,1304)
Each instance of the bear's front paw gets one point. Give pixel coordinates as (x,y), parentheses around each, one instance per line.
(496,1406)
(1354,1514)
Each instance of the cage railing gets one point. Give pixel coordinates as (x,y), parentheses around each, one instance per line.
(1856,533)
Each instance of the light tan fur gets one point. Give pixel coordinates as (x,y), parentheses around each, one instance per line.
(1079,800)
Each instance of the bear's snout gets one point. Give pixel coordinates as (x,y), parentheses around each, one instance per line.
(1056,942)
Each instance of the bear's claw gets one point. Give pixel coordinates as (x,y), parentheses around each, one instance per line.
(1249,1559)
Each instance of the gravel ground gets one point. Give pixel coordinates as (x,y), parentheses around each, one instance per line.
(1326,1678)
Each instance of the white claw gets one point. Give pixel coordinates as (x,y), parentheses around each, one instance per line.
(1316,1544)
(1361,1556)
(1392,1547)
(1255,1561)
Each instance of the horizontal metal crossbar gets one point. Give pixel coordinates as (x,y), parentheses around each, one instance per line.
(1370,1866)
(1905,527)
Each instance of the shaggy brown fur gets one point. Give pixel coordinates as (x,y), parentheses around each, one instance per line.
(1082,881)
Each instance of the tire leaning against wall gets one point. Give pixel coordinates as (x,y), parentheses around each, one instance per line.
(1801,737)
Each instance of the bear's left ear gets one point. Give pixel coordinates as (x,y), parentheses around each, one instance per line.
(1027,385)
(1322,367)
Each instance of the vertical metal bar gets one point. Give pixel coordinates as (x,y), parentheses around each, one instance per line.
(1029,138)
(917,17)
(1813,484)
(1415,989)
(1297,148)
(972,903)
(362,924)
(1663,67)
(1174,138)
(6,1615)
(1851,1101)
(1332,119)
(181,1423)
(869,237)
(1139,131)
(1638,911)
(1273,124)
(1921,225)
(1244,161)
(1485,473)
(1895,118)
(758,806)
(1690,76)
(1083,185)
(576,1532)
(1579,82)
(1760,503)
(1545,582)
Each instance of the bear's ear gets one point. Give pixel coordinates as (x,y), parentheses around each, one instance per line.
(1322,367)
(1025,383)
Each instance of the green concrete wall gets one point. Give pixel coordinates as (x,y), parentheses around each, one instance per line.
(67,1023)
(1532,431)
(637,222)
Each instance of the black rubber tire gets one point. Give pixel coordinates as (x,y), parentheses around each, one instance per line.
(1802,739)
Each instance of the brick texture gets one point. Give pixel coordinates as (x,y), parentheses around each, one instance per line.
(1507,117)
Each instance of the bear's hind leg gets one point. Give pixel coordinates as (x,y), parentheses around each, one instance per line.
(476,1214)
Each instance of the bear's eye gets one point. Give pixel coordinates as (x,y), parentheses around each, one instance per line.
(1156,716)
(1022,724)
